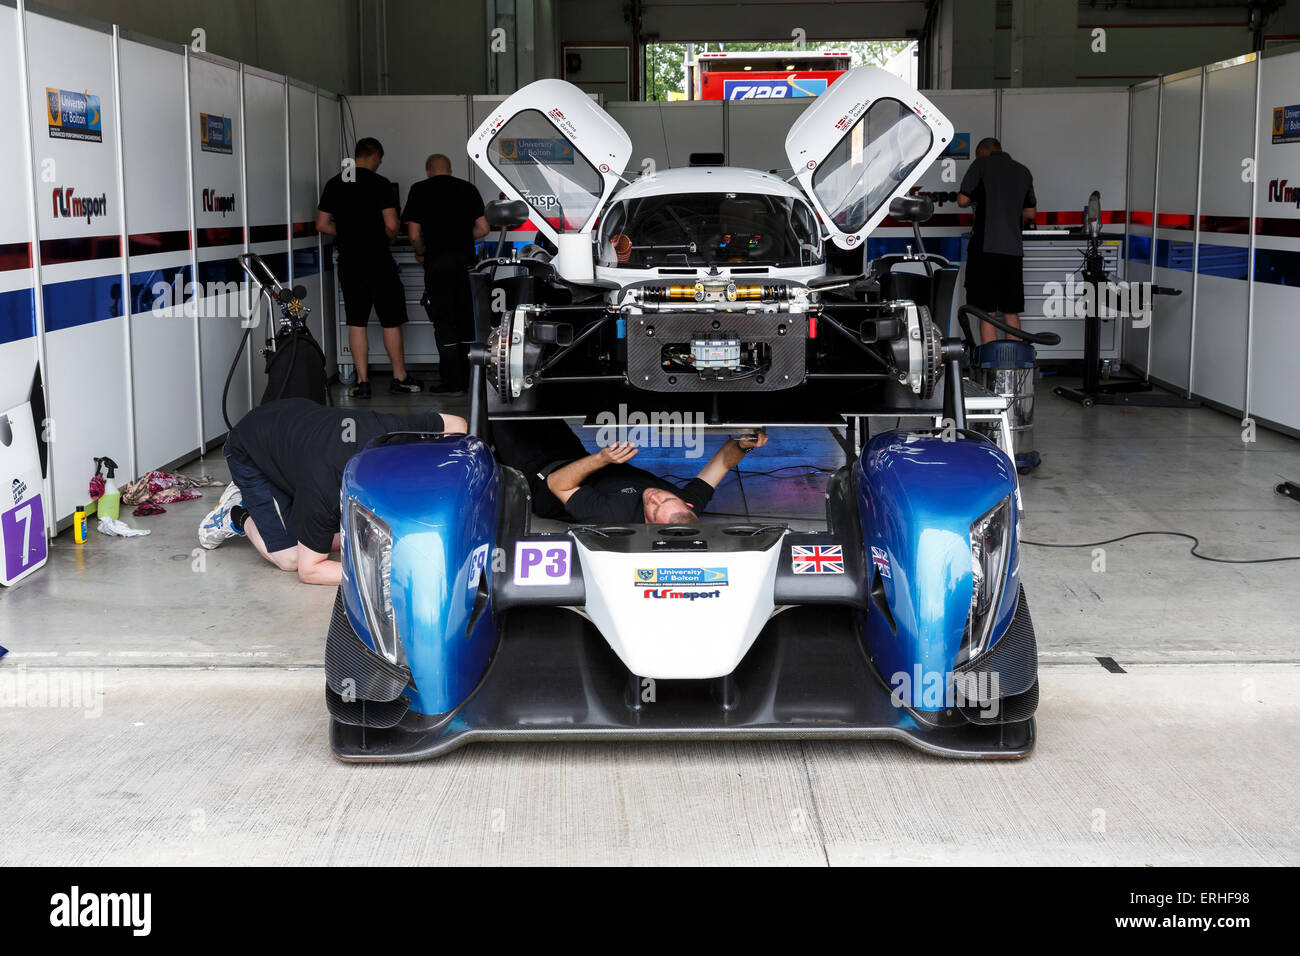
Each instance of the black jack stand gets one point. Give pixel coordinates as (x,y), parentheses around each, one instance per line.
(1119,390)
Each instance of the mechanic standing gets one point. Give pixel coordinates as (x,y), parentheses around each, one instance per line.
(359,208)
(1002,191)
(444,216)
(286,463)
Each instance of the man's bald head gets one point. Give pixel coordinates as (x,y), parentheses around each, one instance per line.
(437,165)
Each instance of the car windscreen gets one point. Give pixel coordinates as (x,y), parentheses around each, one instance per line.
(864,169)
(705,229)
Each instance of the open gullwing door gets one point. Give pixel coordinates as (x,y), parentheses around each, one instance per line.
(550,145)
(861,143)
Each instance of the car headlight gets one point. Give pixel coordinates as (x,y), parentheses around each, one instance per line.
(371,550)
(990,549)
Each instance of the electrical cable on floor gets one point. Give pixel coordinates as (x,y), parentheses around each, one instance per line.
(1196,543)
(813,470)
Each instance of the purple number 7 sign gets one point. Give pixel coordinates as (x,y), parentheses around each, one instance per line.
(22,529)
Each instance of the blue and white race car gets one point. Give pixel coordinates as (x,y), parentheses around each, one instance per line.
(706,290)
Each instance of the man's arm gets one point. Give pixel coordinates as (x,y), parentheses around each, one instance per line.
(481,227)
(969,183)
(416,235)
(317,568)
(1030,209)
(728,457)
(391,224)
(325,223)
(563,482)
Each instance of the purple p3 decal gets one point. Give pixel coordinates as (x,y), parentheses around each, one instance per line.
(542,563)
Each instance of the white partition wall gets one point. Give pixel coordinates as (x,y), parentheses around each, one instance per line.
(219,225)
(410,128)
(1143,145)
(131,191)
(756,132)
(329,156)
(1174,252)
(1275,330)
(74,129)
(266,184)
(1223,235)
(304,263)
(164,334)
(1074,141)
(18,339)
(667,134)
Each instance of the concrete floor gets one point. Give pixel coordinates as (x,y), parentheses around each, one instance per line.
(206,735)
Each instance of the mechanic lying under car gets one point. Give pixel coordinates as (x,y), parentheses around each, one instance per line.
(286,463)
(570,485)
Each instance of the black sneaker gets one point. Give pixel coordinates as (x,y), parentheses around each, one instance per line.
(361,390)
(405,386)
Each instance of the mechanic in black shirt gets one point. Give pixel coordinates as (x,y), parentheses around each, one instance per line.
(359,208)
(1002,192)
(286,463)
(568,484)
(444,216)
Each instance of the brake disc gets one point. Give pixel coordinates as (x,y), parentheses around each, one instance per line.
(499,360)
(931,357)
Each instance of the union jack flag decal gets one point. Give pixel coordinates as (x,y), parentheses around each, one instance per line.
(817,559)
(881,561)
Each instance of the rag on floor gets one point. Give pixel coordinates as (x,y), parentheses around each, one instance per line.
(160,488)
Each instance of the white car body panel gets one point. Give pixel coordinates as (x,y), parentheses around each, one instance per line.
(570,112)
(835,116)
(680,637)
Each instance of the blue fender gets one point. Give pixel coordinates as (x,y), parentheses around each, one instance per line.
(439,497)
(917,498)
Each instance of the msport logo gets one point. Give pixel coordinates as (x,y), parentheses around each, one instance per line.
(68,206)
(215,203)
(669,594)
(1279,191)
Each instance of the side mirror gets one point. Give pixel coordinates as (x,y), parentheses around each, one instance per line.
(911,208)
(506,213)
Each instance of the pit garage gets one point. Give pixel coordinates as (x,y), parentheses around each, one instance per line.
(757,489)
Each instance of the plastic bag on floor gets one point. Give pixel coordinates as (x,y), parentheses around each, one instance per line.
(119,528)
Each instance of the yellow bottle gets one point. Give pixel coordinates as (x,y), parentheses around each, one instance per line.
(79,523)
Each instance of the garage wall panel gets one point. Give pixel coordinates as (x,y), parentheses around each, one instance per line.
(330,151)
(266,178)
(1173,252)
(74,128)
(1223,236)
(304,264)
(1144,117)
(164,334)
(667,133)
(18,344)
(410,128)
(1073,141)
(1274,385)
(219,211)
